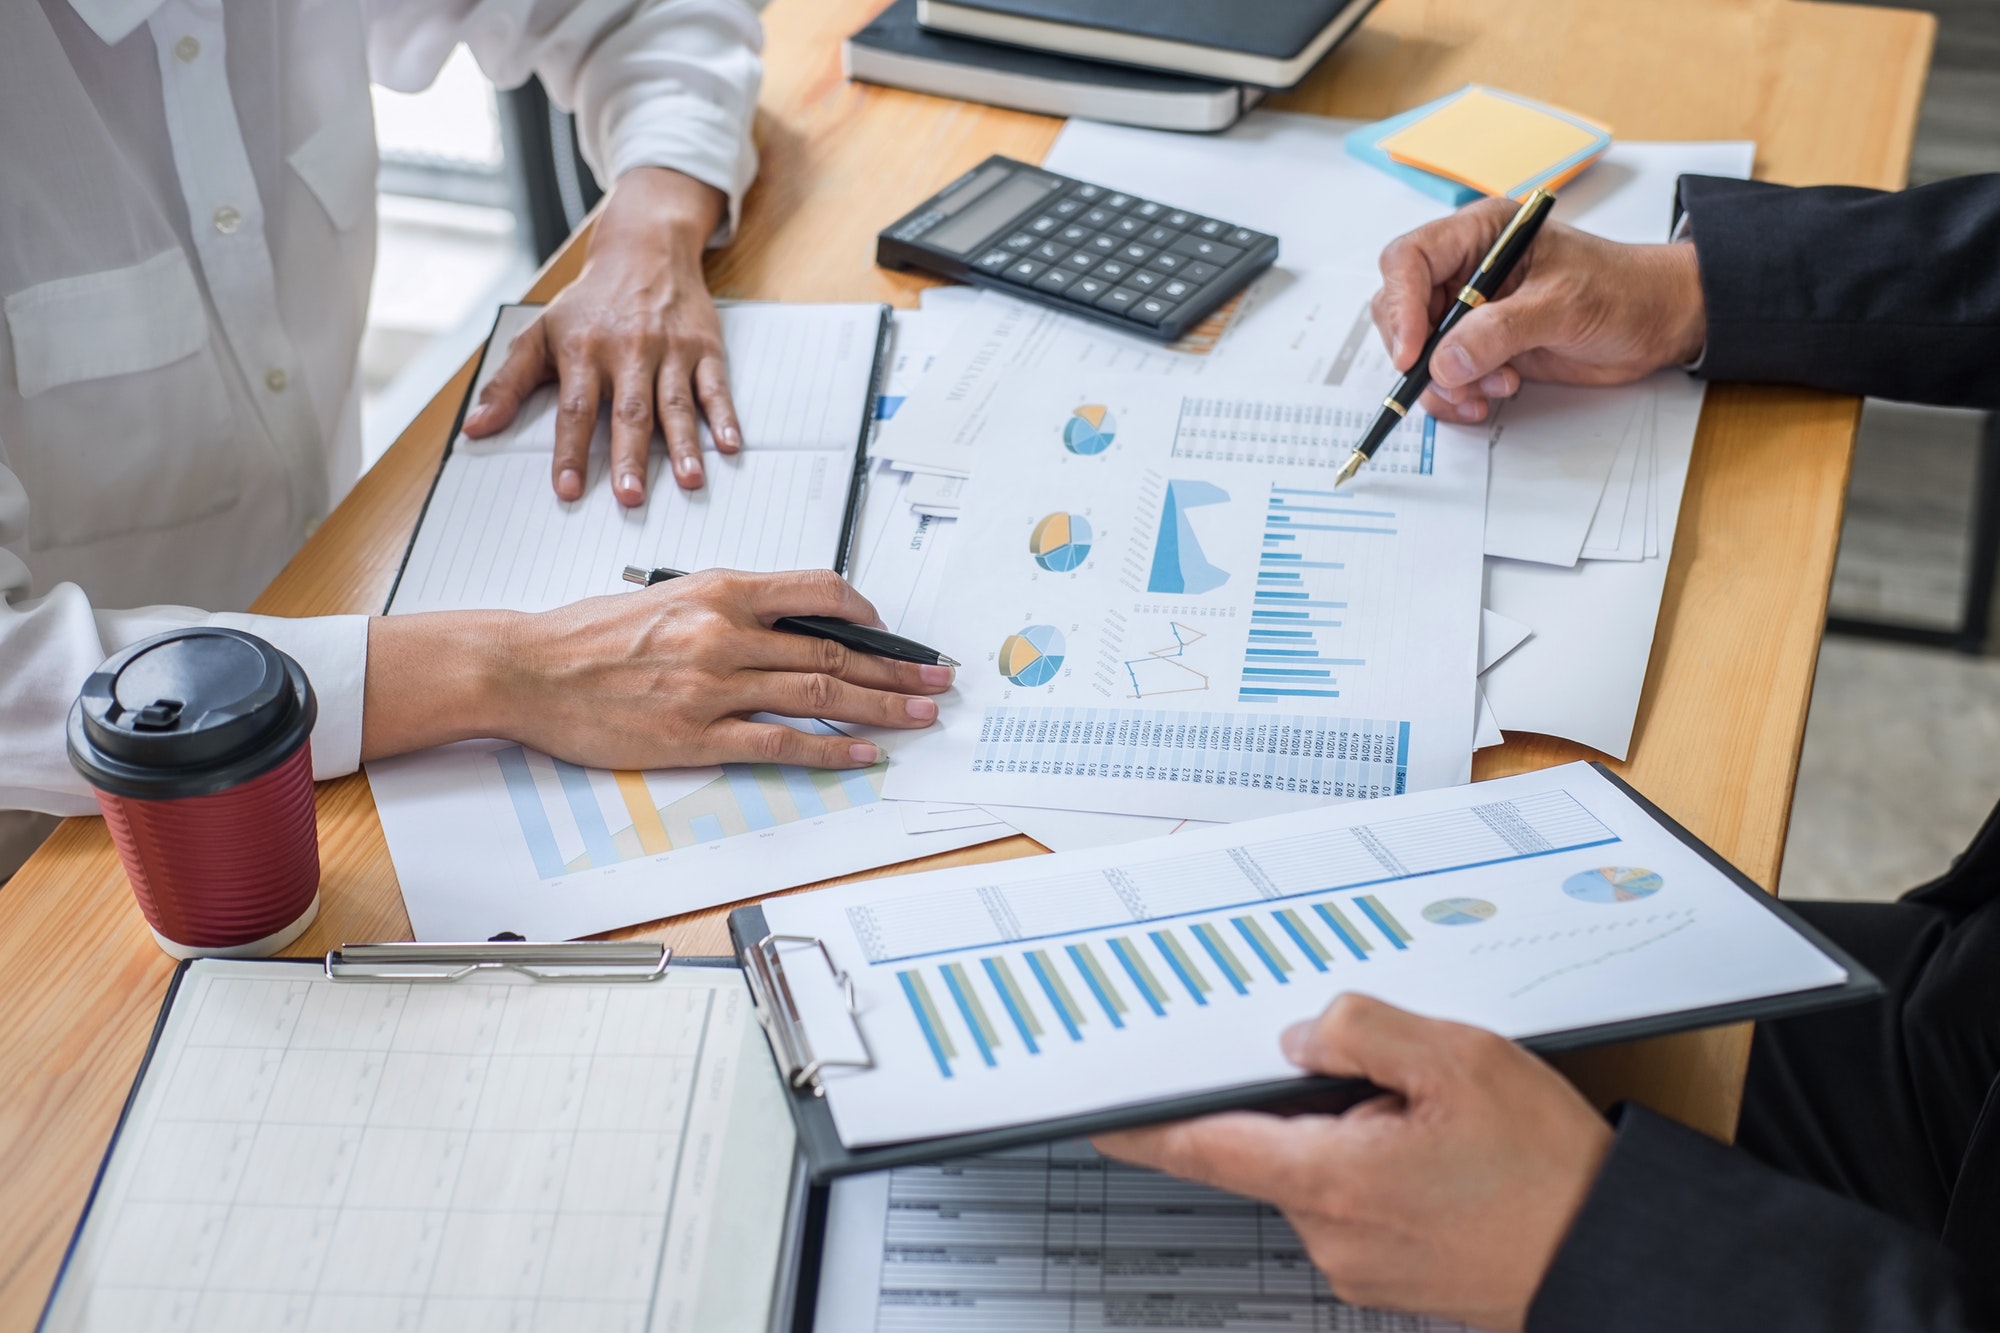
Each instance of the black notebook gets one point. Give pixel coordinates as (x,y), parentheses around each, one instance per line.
(1270,43)
(897,52)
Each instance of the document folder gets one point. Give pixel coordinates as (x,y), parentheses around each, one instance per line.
(794,1040)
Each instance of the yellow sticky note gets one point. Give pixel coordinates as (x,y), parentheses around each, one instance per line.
(1497,143)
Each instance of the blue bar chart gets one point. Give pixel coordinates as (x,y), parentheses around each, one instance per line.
(1299,602)
(1134,977)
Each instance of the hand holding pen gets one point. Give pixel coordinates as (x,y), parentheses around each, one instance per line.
(1485,282)
(1579,310)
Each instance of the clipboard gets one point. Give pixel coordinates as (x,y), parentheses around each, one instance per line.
(802,1234)
(857,484)
(764,965)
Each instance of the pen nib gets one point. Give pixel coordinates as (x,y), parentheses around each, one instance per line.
(1349,468)
(951,662)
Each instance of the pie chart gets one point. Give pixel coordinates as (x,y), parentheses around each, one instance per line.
(1033,656)
(1060,542)
(1090,429)
(1459,911)
(1613,884)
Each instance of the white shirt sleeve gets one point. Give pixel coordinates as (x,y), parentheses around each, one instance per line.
(48,646)
(665,83)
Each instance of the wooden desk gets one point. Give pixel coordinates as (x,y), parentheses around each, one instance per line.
(1829,93)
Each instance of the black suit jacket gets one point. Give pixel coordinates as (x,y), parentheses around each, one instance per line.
(1897,296)
(1857,291)
(1681,1233)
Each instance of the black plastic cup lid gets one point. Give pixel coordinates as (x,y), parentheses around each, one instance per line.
(189,713)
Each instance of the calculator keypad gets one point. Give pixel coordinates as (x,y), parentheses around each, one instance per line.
(1137,259)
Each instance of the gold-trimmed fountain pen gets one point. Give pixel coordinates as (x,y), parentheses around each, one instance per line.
(1487,279)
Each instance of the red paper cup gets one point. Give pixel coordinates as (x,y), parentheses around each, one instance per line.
(198,744)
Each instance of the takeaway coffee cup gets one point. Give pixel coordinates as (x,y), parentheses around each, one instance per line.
(198,744)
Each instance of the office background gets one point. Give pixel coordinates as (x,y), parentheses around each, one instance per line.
(1902,749)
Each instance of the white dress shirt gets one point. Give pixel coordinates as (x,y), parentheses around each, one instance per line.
(187,232)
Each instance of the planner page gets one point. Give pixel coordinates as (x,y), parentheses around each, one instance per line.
(494,535)
(482,1154)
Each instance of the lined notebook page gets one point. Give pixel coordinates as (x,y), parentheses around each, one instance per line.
(494,536)
(489,1153)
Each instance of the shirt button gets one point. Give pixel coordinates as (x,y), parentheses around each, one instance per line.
(187,48)
(274,380)
(227,220)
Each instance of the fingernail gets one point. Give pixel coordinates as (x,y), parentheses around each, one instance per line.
(732,437)
(1494,385)
(861,752)
(1292,1041)
(631,482)
(1459,362)
(688,467)
(923,710)
(1471,412)
(570,484)
(934,675)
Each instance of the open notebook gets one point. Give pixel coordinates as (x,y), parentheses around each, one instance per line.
(493,535)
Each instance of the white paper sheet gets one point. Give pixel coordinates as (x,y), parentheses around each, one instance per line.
(1058,1238)
(485,1154)
(489,836)
(938,426)
(1207,582)
(1498,636)
(1581,674)
(1553,451)
(1486,731)
(1071,830)
(1017,993)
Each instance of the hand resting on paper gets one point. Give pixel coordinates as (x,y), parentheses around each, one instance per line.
(1448,1197)
(637,329)
(1578,310)
(666,677)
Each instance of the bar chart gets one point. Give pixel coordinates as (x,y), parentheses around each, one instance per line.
(1125,977)
(574,819)
(1301,571)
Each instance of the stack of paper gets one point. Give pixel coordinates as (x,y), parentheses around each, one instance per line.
(1584,484)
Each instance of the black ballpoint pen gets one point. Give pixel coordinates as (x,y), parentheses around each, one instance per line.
(861,638)
(1486,280)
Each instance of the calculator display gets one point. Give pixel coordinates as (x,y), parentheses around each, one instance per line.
(1140,265)
(1021,192)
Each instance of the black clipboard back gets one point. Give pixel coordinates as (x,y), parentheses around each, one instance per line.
(830,1159)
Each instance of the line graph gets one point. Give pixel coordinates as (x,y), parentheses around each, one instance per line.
(1163,670)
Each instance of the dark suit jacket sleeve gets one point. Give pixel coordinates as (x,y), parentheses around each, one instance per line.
(1681,1233)
(1857,291)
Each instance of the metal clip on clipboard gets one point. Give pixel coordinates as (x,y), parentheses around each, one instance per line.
(580,960)
(778,1011)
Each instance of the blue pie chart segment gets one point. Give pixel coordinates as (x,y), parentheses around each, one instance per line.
(1090,429)
(1459,911)
(1613,884)
(1033,656)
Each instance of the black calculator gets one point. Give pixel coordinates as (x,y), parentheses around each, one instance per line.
(1141,266)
